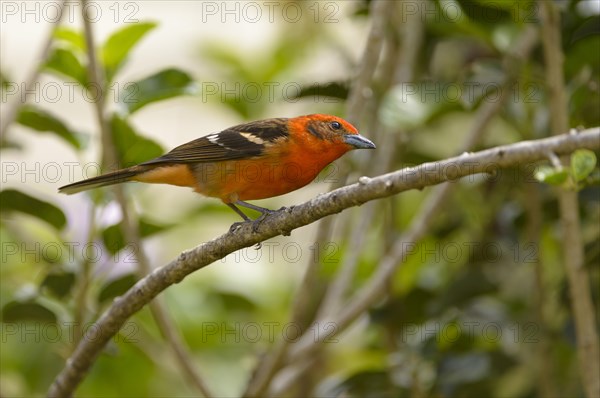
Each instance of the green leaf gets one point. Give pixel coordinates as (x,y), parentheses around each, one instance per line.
(235,302)
(119,44)
(116,287)
(39,120)
(132,148)
(59,283)
(488,12)
(16,311)
(9,144)
(72,37)
(4,81)
(66,64)
(114,239)
(583,162)
(328,90)
(550,175)
(162,85)
(13,200)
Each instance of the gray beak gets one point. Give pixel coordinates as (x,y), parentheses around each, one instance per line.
(358,141)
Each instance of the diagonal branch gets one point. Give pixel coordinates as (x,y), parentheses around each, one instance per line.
(284,221)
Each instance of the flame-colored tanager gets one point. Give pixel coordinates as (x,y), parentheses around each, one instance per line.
(255,160)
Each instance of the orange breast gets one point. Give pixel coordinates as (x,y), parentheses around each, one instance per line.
(252,179)
(273,174)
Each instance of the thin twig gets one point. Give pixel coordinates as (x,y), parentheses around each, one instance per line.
(413,30)
(13,110)
(488,110)
(380,11)
(299,314)
(406,58)
(83,283)
(130,225)
(343,279)
(533,230)
(164,323)
(356,100)
(588,350)
(283,222)
(97,82)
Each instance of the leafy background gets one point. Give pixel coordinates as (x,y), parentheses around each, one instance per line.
(479,308)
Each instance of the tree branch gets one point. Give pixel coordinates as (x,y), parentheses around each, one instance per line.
(13,110)
(361,90)
(286,220)
(588,350)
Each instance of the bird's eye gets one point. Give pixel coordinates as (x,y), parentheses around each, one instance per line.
(335,125)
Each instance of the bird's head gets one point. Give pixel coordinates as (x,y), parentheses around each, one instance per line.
(333,130)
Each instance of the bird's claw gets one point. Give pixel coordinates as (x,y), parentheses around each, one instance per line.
(236,225)
(255,223)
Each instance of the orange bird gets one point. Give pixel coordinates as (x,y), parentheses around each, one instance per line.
(255,160)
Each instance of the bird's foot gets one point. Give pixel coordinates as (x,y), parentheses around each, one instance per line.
(255,223)
(237,225)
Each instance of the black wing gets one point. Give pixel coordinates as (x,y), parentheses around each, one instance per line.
(239,142)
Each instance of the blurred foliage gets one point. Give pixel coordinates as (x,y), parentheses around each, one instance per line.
(165,84)
(480,302)
(13,200)
(578,176)
(39,120)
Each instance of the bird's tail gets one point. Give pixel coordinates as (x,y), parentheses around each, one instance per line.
(116,177)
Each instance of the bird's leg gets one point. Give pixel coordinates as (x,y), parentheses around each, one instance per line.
(236,225)
(239,212)
(262,210)
(256,223)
